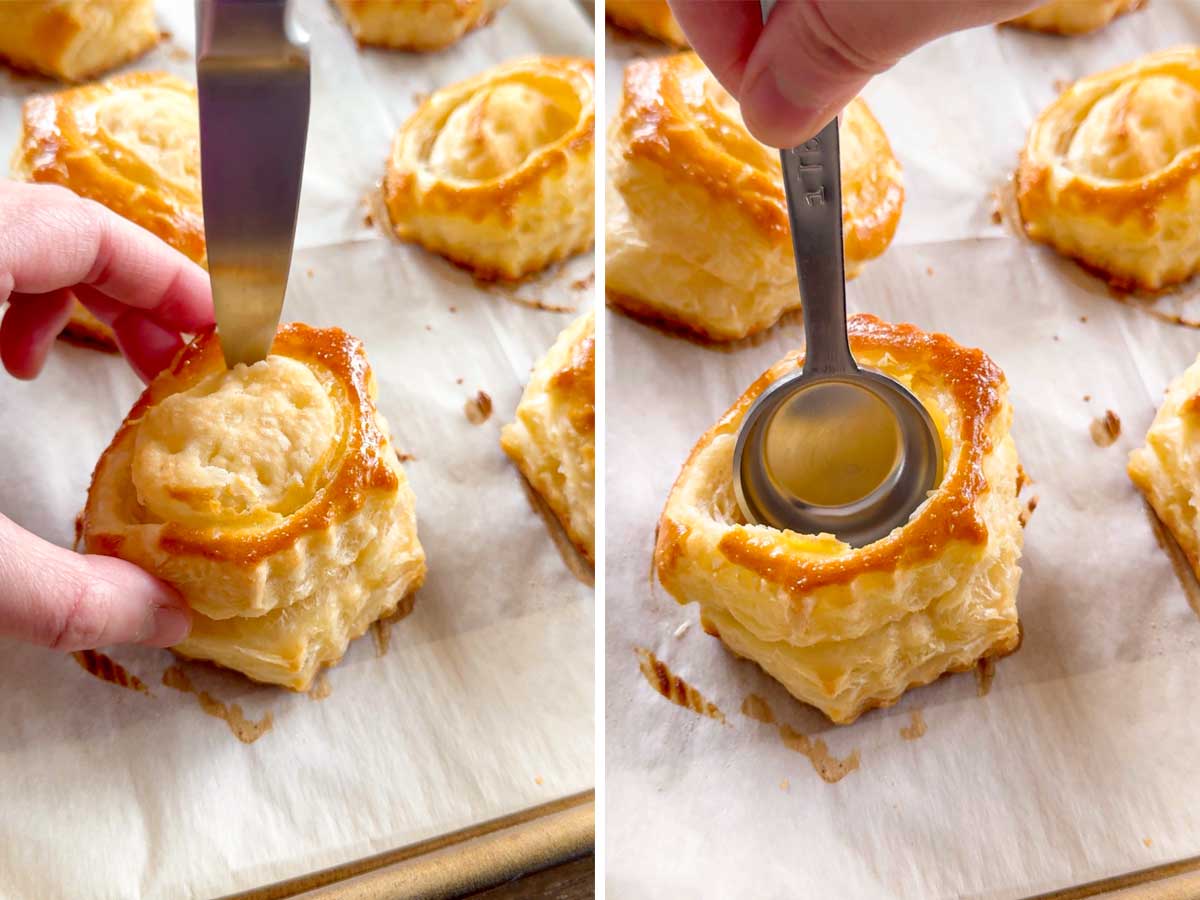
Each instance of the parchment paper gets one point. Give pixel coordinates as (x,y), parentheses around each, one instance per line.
(483,702)
(1081,762)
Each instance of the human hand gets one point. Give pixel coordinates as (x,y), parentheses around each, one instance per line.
(797,72)
(55,247)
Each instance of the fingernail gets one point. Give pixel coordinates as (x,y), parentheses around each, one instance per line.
(168,625)
(772,116)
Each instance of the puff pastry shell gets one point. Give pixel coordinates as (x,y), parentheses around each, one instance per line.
(849,629)
(553,439)
(651,17)
(697,226)
(130,143)
(496,172)
(415,24)
(74,40)
(1167,469)
(270,496)
(1074,16)
(1110,174)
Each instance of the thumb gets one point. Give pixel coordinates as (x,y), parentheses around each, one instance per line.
(65,601)
(814,56)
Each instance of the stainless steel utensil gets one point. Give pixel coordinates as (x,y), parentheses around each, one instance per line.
(832,448)
(253,76)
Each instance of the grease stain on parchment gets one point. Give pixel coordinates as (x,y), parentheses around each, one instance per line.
(674,688)
(245,730)
(1179,561)
(916,727)
(108,669)
(320,687)
(829,767)
(985,671)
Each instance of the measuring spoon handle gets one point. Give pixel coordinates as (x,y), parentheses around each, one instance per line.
(812,180)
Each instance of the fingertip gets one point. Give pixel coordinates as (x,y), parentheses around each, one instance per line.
(167,626)
(28,329)
(148,346)
(772,117)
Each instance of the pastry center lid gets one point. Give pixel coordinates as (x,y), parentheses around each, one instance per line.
(247,445)
(158,127)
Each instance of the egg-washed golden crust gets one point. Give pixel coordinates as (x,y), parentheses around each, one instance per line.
(269,495)
(848,629)
(74,40)
(130,143)
(1110,173)
(1069,17)
(496,172)
(422,25)
(697,224)
(650,17)
(1167,469)
(553,438)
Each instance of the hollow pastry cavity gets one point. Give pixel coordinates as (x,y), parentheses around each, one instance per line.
(74,40)
(848,629)
(415,24)
(553,438)
(649,17)
(269,496)
(495,172)
(1110,173)
(131,143)
(1074,16)
(697,225)
(1167,469)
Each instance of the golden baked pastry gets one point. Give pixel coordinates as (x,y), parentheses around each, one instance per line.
(131,143)
(415,24)
(1110,174)
(553,439)
(496,172)
(269,495)
(697,221)
(651,17)
(849,629)
(74,40)
(1167,469)
(1074,16)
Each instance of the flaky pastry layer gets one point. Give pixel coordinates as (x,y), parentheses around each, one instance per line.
(496,172)
(553,438)
(649,17)
(131,143)
(1074,16)
(848,629)
(415,24)
(697,226)
(1167,469)
(1110,173)
(269,496)
(74,40)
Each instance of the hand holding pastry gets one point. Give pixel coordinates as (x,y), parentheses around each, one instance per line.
(56,247)
(792,75)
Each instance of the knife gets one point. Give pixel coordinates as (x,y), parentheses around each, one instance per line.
(252,71)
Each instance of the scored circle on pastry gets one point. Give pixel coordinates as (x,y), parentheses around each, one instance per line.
(415,24)
(269,496)
(848,629)
(697,224)
(1074,16)
(132,144)
(650,17)
(553,437)
(496,172)
(1167,469)
(1110,173)
(74,40)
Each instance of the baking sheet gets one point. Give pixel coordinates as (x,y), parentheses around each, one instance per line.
(1080,762)
(482,703)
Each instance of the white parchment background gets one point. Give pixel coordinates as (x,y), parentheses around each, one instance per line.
(484,703)
(1082,760)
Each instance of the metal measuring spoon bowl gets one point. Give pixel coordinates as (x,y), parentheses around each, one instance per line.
(834,448)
